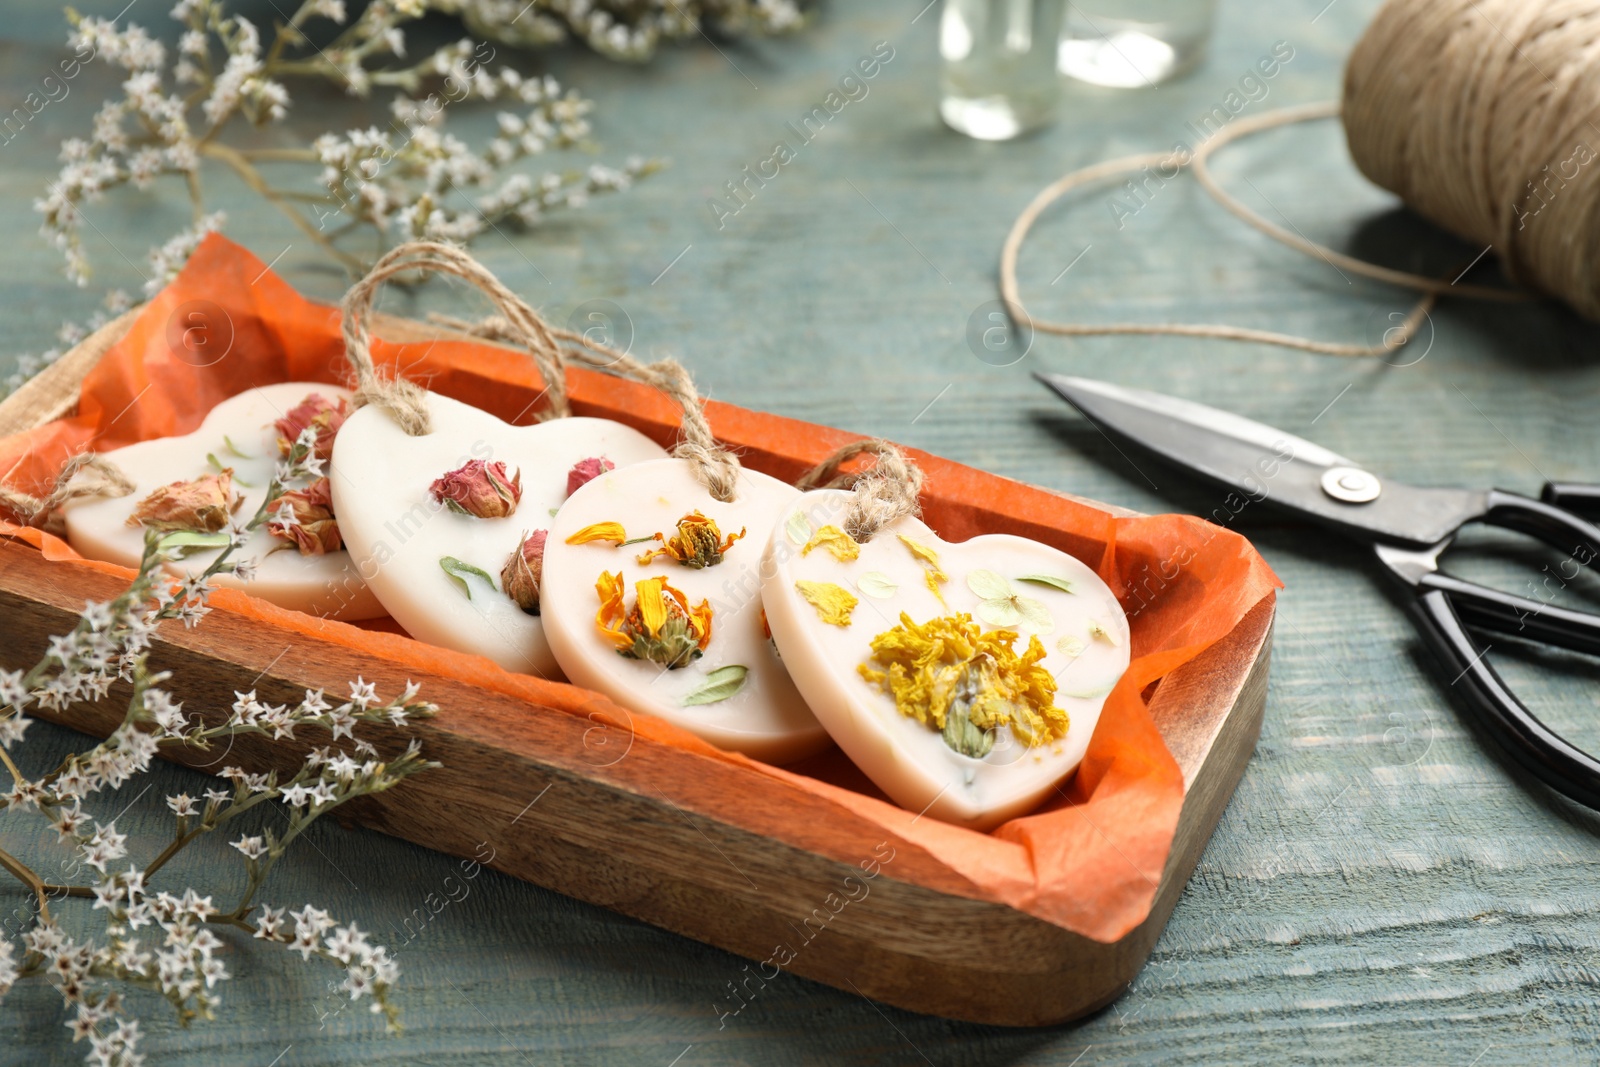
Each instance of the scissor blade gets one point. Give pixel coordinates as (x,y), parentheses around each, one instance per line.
(1263,463)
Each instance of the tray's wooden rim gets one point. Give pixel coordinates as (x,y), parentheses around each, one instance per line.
(1084,973)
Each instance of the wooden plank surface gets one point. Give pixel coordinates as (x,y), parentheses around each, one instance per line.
(1381,887)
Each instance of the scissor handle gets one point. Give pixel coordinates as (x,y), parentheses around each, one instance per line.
(1484,608)
(1579,498)
(1557,527)
(1562,766)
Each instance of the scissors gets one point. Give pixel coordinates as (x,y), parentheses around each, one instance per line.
(1409,528)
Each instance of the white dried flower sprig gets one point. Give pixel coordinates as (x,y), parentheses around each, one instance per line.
(177,956)
(179,107)
(628,30)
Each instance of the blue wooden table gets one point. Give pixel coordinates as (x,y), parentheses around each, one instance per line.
(1380,889)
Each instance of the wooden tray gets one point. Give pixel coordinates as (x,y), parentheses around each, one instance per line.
(678,840)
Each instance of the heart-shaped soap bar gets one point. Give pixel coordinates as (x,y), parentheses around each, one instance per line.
(437,567)
(240,434)
(682,635)
(964,679)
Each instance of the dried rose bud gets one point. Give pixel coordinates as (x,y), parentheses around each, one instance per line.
(203,504)
(587,470)
(318,412)
(308,522)
(524,570)
(480,489)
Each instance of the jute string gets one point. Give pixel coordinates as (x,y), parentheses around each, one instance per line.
(884,493)
(100,477)
(522,326)
(407,402)
(1482,115)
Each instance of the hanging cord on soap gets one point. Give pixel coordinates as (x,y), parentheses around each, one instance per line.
(884,493)
(100,477)
(521,326)
(1173,162)
(715,467)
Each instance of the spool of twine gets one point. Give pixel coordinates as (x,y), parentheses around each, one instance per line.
(884,493)
(1482,115)
(520,325)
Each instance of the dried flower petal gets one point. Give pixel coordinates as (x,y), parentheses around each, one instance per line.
(202,504)
(934,574)
(587,470)
(839,544)
(834,603)
(321,415)
(599,531)
(478,488)
(697,542)
(308,523)
(524,570)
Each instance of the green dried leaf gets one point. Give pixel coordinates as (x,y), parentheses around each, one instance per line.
(719,685)
(1035,614)
(234,450)
(1048,579)
(458,571)
(1000,612)
(961,735)
(798,527)
(989,585)
(185,541)
(877,584)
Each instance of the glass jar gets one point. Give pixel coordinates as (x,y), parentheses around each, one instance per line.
(997,77)
(1132,43)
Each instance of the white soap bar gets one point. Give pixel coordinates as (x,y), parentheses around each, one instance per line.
(1083,633)
(327,585)
(398,531)
(766,718)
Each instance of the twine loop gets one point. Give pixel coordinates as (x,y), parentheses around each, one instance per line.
(517,323)
(520,325)
(101,477)
(884,493)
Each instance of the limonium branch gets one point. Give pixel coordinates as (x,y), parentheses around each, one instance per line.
(177,958)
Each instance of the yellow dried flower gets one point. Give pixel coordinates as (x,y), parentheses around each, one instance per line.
(841,545)
(697,543)
(951,676)
(834,603)
(662,627)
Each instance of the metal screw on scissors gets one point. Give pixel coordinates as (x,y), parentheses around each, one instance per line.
(1409,528)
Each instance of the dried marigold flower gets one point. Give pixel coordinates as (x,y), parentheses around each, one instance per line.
(203,504)
(524,570)
(587,470)
(697,542)
(308,522)
(480,489)
(661,627)
(954,678)
(321,414)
